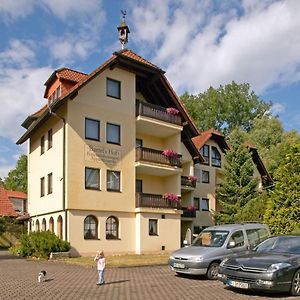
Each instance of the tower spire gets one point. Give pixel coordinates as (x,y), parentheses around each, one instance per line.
(123,30)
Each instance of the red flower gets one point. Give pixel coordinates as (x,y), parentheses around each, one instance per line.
(172,111)
(171,197)
(169,153)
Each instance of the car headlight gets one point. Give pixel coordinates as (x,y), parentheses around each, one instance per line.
(276,267)
(223,262)
(196,259)
(171,257)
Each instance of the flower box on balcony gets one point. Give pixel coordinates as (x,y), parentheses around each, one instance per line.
(192,179)
(171,197)
(172,111)
(191,208)
(169,153)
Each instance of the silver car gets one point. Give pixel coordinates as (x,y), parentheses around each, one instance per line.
(215,243)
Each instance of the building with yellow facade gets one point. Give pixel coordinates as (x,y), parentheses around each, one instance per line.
(114,160)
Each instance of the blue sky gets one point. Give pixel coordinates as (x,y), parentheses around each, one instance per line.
(199,43)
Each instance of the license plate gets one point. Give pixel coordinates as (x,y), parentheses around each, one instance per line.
(178,266)
(237,284)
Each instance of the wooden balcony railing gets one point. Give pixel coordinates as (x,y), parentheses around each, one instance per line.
(188,213)
(188,181)
(156,156)
(156,112)
(155,201)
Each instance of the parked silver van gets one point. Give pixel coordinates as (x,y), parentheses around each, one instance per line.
(215,243)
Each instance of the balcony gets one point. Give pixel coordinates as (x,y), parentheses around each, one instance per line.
(188,182)
(153,162)
(188,213)
(154,120)
(155,201)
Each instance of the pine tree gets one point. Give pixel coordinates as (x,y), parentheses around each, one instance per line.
(237,195)
(283,210)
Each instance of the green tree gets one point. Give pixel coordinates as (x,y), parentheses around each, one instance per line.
(17,178)
(283,208)
(237,194)
(225,108)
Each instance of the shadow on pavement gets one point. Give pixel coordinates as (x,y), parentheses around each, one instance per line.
(113,282)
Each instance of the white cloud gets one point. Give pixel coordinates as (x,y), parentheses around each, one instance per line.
(201,44)
(5,168)
(14,9)
(21,93)
(277,108)
(19,53)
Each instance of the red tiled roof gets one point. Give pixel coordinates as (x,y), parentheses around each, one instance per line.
(16,194)
(6,207)
(134,56)
(204,136)
(71,75)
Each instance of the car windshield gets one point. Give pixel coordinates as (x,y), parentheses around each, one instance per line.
(211,238)
(280,244)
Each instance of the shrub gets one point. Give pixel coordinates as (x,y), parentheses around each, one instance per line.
(40,244)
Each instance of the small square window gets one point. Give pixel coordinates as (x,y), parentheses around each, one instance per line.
(113,133)
(113,88)
(153,227)
(205,204)
(49,139)
(92,129)
(92,178)
(50,184)
(42,145)
(205,176)
(113,181)
(42,183)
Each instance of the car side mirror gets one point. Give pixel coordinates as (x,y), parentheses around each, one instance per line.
(231,244)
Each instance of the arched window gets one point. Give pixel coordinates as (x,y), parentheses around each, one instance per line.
(60,227)
(51,224)
(90,227)
(112,228)
(44,225)
(37,225)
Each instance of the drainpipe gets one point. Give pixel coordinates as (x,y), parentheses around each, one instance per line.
(64,169)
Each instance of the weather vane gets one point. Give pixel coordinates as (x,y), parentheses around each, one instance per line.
(123,30)
(124,12)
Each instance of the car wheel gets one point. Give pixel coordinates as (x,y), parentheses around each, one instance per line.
(295,289)
(213,271)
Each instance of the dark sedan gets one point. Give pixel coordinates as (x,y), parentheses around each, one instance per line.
(274,265)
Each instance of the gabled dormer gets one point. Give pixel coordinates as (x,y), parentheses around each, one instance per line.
(60,82)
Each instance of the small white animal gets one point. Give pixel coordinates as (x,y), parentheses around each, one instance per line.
(42,276)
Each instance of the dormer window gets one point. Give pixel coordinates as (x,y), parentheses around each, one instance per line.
(55,95)
(205,153)
(215,157)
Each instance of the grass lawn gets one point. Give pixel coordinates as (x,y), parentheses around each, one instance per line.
(125,260)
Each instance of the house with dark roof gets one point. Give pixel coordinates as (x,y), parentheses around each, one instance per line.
(111,157)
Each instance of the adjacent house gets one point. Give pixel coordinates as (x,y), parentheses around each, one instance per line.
(209,174)
(12,203)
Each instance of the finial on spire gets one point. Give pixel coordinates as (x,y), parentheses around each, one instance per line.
(123,30)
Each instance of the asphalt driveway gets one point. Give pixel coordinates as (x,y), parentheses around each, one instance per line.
(18,280)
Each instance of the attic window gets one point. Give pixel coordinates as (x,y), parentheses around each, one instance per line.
(113,88)
(56,94)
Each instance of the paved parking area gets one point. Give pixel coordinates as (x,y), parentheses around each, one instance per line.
(18,280)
